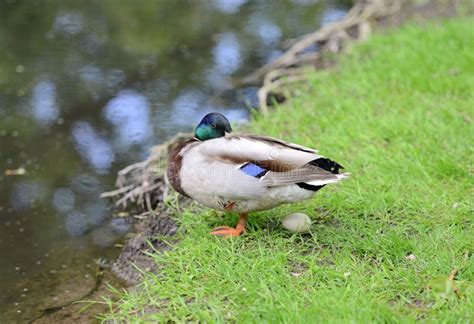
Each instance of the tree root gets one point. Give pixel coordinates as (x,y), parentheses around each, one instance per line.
(144,184)
(294,63)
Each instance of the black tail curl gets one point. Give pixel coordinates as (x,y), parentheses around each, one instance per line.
(325,164)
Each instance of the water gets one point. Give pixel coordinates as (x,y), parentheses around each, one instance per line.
(88,87)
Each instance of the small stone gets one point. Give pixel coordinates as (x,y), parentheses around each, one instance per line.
(297,223)
(410,257)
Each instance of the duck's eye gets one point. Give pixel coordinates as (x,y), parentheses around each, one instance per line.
(213,125)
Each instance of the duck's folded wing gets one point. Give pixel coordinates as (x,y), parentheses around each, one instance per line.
(307,173)
(272,161)
(275,154)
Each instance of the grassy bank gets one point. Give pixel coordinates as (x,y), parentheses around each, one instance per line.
(397,112)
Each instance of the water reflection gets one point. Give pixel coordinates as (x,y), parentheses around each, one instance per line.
(76,223)
(107,235)
(97,81)
(45,108)
(63,199)
(218,80)
(91,75)
(113,78)
(87,185)
(68,23)
(229,6)
(87,88)
(227,53)
(93,147)
(129,112)
(81,221)
(186,104)
(26,193)
(332,14)
(268,32)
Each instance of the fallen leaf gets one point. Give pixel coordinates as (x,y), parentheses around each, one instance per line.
(296,274)
(19,171)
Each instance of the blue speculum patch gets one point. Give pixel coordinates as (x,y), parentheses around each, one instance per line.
(253,170)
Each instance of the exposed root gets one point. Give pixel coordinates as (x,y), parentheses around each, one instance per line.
(305,52)
(144,183)
(264,91)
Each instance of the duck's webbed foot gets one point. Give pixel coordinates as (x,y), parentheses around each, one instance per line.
(227,231)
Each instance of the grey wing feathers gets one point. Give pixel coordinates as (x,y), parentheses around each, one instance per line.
(305,173)
(278,142)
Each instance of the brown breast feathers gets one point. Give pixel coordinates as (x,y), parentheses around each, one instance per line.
(175,161)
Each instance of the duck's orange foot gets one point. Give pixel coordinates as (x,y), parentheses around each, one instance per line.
(228,231)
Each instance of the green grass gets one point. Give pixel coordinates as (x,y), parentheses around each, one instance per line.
(397,112)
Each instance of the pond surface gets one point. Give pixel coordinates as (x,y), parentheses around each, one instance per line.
(87,87)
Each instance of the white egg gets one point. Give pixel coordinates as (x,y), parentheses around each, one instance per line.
(297,223)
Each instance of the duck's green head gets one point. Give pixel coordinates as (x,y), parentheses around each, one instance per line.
(213,125)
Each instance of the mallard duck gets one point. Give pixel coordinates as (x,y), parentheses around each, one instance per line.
(245,173)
